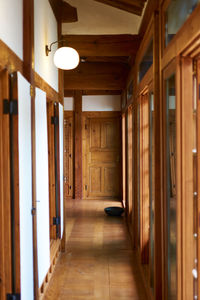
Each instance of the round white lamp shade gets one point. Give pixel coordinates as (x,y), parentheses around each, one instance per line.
(66,58)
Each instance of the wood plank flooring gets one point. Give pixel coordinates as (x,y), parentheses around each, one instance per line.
(99,262)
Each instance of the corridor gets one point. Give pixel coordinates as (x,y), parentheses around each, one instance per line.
(99,262)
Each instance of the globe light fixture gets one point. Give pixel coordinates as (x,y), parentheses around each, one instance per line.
(65,58)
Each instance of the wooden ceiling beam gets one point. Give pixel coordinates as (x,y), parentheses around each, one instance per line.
(70,93)
(63,11)
(104,45)
(96,76)
(134,7)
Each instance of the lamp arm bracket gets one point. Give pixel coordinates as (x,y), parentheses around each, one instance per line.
(48,48)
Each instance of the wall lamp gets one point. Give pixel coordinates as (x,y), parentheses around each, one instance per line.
(65,58)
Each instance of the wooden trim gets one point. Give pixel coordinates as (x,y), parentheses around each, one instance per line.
(78,144)
(9,60)
(158,266)
(101,114)
(51,158)
(198,165)
(171,69)
(144,183)
(55,252)
(5,209)
(52,95)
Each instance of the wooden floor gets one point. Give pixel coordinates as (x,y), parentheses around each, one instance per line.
(99,262)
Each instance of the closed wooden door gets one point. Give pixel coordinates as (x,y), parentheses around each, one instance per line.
(68,155)
(103,171)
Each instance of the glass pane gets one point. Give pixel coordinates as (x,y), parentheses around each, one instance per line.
(151,186)
(138,170)
(146,62)
(176,14)
(171,185)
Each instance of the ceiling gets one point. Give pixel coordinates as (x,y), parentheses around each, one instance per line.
(106,38)
(97,18)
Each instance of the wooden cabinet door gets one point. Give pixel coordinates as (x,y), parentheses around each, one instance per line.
(68,156)
(103,139)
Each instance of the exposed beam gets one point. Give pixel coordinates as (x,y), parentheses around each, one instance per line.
(107,59)
(104,45)
(151,6)
(134,7)
(70,93)
(63,11)
(96,76)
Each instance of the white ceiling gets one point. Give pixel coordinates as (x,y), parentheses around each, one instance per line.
(98,18)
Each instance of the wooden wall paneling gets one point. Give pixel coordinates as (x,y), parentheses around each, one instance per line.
(158,265)
(5,208)
(51,157)
(78,144)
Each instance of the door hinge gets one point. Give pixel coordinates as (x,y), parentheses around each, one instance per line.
(32,91)
(10,107)
(54,120)
(56,221)
(13,297)
(86,127)
(86,187)
(33,211)
(70,187)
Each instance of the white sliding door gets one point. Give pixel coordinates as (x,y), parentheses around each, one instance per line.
(25,189)
(61,167)
(42,185)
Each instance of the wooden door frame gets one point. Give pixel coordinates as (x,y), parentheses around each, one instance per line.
(171,69)
(144,184)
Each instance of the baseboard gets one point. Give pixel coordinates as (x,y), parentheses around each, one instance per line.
(54,256)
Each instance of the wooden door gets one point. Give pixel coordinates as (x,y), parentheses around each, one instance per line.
(68,155)
(103,156)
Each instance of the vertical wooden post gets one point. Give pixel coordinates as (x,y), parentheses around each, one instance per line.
(78,144)
(28,72)
(5,198)
(158,152)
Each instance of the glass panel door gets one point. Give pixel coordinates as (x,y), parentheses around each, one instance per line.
(171,204)
(151,185)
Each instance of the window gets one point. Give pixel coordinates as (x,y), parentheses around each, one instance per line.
(175,15)
(146,62)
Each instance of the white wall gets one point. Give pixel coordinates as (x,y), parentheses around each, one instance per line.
(25,189)
(69,103)
(102,103)
(42,185)
(45,34)
(11,25)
